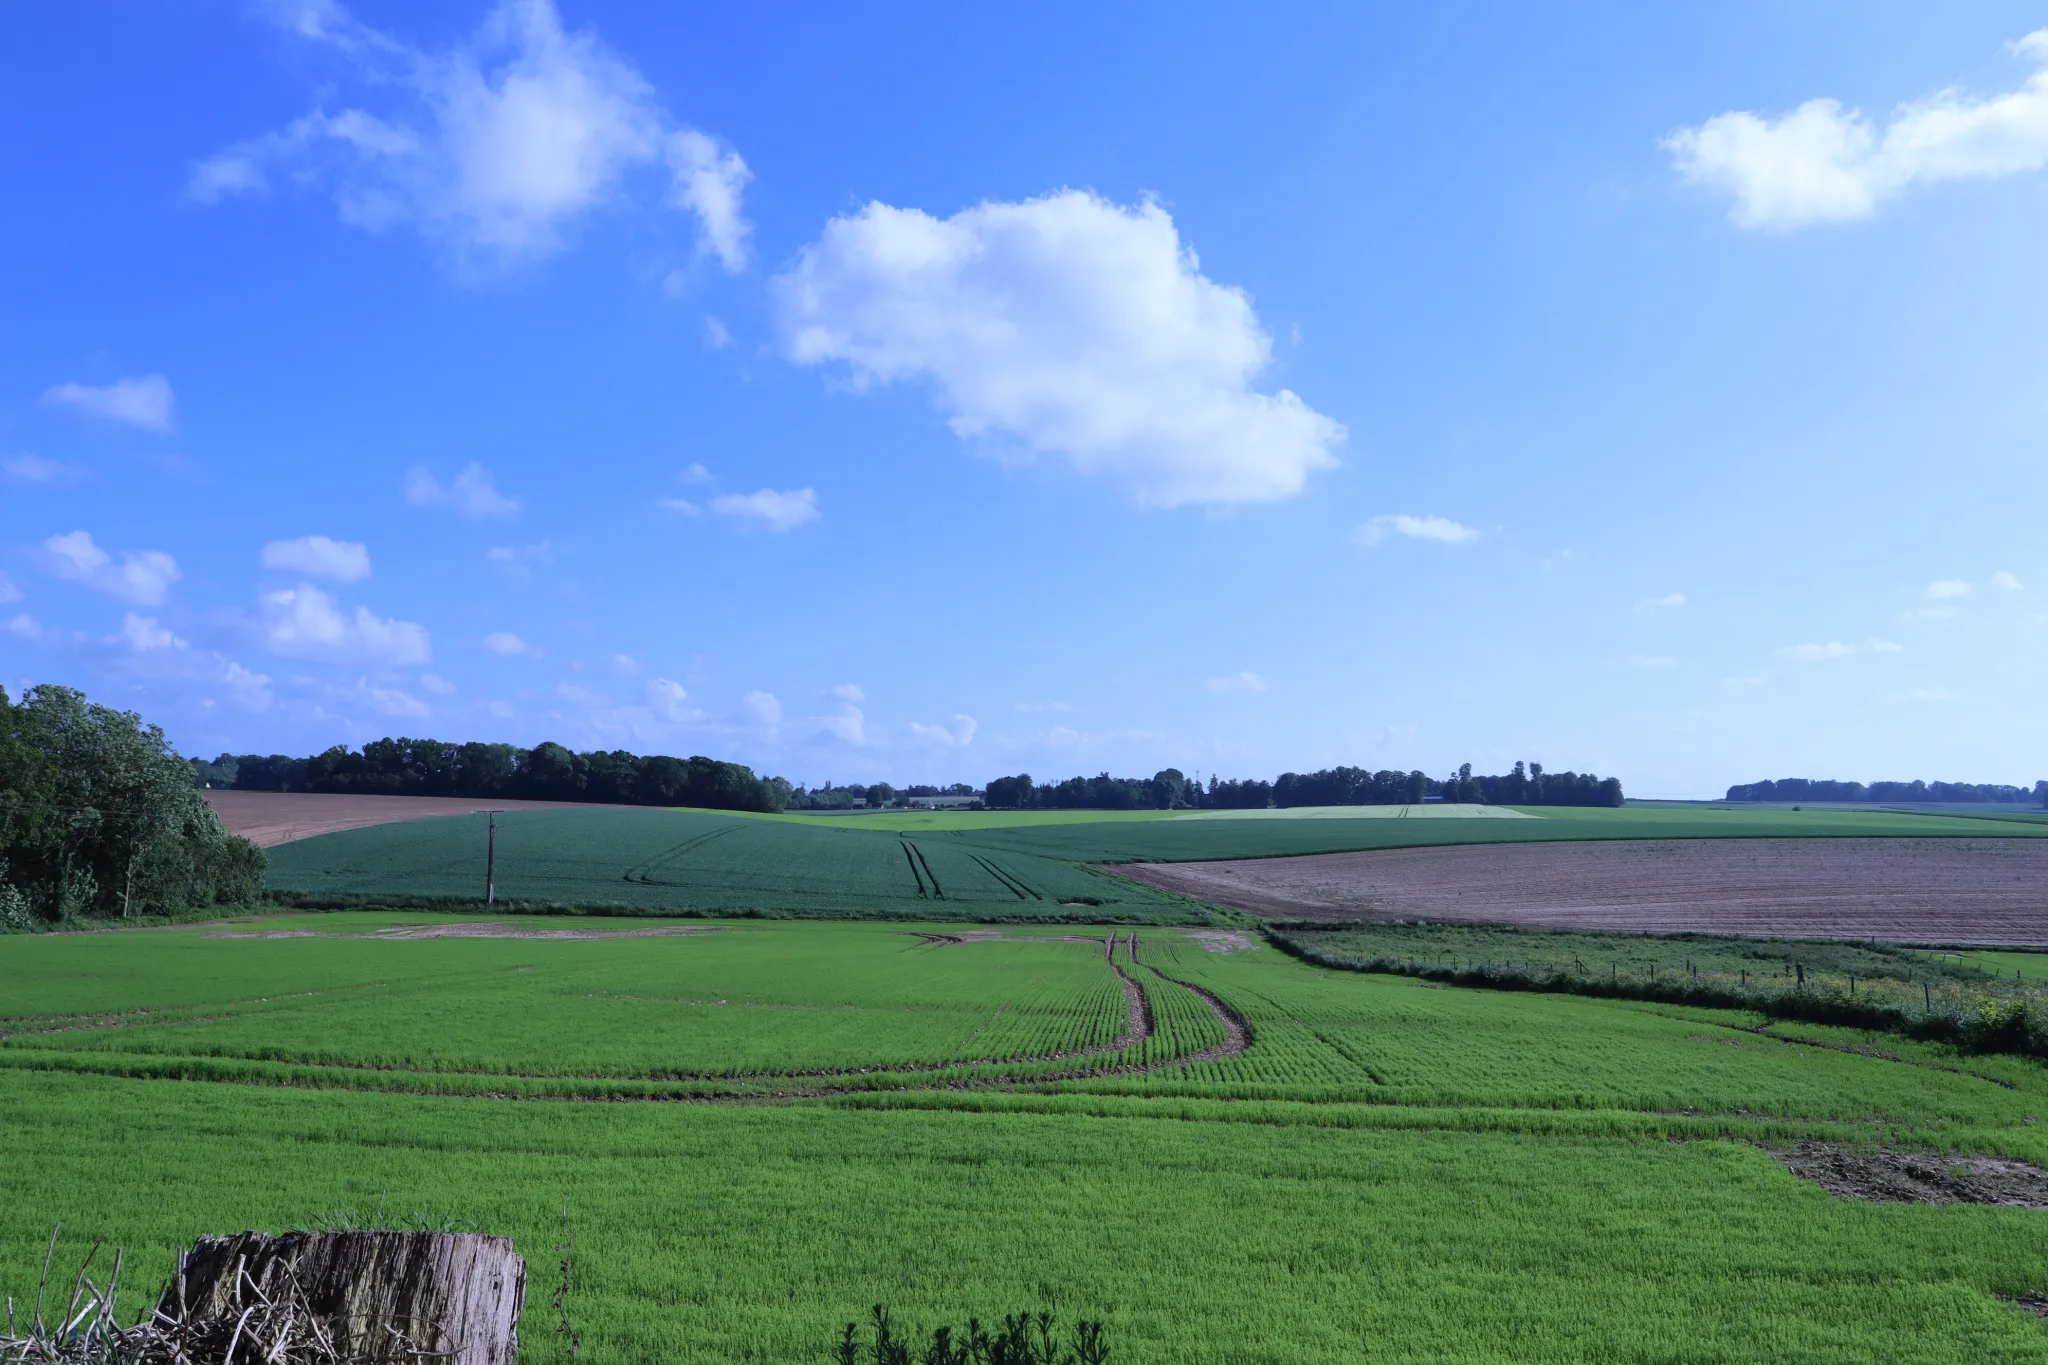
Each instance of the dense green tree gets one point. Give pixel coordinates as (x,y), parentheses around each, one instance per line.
(98,816)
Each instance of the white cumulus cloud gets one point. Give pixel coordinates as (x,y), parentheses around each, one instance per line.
(850,726)
(507,645)
(472,494)
(145,401)
(768,509)
(764,707)
(492,147)
(1066,326)
(1947,587)
(1440,529)
(307,623)
(1670,601)
(10,591)
(2005,581)
(1825,163)
(145,633)
(142,577)
(342,561)
(668,700)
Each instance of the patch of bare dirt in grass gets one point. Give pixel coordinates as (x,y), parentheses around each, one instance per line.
(1891,1175)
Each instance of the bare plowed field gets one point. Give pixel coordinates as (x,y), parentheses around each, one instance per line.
(1989,891)
(270,818)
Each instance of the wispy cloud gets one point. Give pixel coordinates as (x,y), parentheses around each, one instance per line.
(143,577)
(1835,649)
(959,735)
(340,561)
(492,147)
(145,401)
(1442,530)
(26,468)
(1823,163)
(391,701)
(769,509)
(1238,682)
(1943,588)
(506,645)
(520,561)
(1652,661)
(472,494)
(2004,581)
(1670,601)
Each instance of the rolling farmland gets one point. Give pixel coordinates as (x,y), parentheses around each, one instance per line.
(650,861)
(976,865)
(1255,1160)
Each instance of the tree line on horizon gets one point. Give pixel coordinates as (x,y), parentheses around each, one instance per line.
(1527,785)
(502,772)
(553,772)
(1820,790)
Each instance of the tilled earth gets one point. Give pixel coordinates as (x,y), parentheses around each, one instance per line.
(1985,891)
(271,818)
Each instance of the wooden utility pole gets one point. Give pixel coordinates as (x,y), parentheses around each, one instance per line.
(491,859)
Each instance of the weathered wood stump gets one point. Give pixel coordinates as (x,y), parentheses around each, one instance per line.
(365,1298)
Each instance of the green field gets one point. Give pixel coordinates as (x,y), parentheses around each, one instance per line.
(1389,1170)
(649,861)
(988,866)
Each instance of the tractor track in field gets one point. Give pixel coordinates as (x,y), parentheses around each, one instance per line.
(1139,1027)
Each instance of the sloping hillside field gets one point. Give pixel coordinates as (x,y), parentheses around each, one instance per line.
(759,1128)
(981,865)
(654,860)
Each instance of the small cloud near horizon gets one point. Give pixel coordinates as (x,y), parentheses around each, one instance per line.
(1442,530)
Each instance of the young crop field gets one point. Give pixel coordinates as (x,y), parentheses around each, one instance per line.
(650,861)
(1224,1152)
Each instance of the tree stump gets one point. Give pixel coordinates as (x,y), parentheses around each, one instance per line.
(365,1298)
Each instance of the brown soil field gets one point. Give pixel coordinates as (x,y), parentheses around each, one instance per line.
(270,818)
(1979,891)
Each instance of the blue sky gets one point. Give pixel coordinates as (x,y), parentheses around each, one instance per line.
(928,393)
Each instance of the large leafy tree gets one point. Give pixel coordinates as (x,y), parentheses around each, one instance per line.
(98,816)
